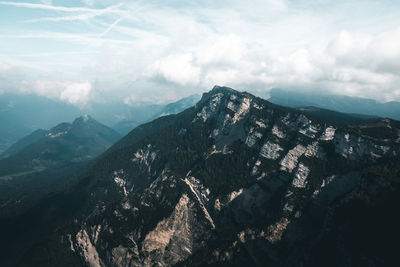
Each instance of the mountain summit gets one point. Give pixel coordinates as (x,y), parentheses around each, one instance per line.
(234,181)
(83,139)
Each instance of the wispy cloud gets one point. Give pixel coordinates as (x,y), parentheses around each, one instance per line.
(61,8)
(82,39)
(81,13)
(82,16)
(130,13)
(110,27)
(85,16)
(49,54)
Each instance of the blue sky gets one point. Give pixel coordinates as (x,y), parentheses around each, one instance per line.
(159,51)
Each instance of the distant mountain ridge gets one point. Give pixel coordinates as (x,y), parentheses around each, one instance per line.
(339,103)
(125,126)
(178,106)
(337,117)
(42,161)
(24,142)
(23,114)
(83,139)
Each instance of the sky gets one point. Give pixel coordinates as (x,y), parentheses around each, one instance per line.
(86,51)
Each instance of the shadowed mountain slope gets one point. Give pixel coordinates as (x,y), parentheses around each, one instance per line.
(233,181)
(42,161)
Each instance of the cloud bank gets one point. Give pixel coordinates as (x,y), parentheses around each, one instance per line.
(139,51)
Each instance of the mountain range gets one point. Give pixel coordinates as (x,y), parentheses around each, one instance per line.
(21,114)
(339,103)
(44,160)
(234,180)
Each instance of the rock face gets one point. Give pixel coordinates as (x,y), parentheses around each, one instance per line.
(234,180)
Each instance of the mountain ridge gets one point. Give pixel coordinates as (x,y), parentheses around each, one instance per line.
(126,126)
(232,180)
(339,103)
(43,161)
(59,140)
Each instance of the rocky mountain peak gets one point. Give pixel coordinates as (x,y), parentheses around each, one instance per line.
(222,89)
(233,180)
(80,141)
(84,119)
(222,92)
(83,125)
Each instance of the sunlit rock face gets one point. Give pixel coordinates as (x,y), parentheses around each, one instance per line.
(234,180)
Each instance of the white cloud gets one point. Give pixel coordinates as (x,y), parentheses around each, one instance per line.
(172,48)
(224,50)
(346,64)
(50,89)
(178,68)
(14,80)
(76,93)
(4,67)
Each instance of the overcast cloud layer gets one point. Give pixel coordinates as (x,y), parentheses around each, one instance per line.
(158,51)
